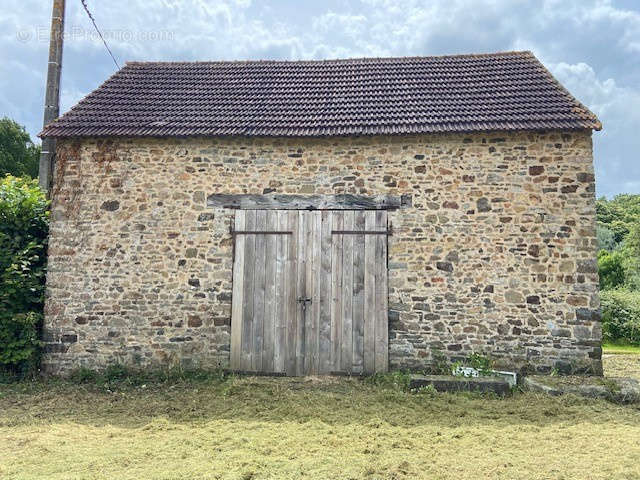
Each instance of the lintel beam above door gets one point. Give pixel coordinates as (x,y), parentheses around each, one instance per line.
(279,201)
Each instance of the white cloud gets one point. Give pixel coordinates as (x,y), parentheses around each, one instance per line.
(353,25)
(69,97)
(582,80)
(619,110)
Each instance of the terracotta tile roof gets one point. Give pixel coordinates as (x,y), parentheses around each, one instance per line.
(368,96)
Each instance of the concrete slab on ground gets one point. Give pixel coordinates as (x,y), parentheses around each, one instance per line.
(616,389)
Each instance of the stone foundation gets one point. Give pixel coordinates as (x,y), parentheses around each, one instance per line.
(495,255)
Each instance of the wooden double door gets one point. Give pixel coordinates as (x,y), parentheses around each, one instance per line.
(310,292)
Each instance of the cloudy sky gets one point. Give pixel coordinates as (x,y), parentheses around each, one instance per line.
(591,46)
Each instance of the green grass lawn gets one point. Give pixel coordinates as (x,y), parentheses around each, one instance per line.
(621,348)
(286,428)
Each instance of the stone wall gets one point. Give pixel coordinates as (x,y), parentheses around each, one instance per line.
(496,254)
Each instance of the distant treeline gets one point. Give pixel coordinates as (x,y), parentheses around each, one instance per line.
(619,267)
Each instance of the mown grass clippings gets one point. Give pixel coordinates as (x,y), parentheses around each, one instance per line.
(622,365)
(293,428)
(286,428)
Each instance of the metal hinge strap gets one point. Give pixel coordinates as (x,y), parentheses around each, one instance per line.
(361,232)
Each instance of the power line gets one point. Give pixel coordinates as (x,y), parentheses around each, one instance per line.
(86,9)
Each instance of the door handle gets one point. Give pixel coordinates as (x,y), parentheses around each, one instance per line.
(304,302)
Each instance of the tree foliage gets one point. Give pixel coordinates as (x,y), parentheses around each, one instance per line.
(611,269)
(631,252)
(619,241)
(621,316)
(619,266)
(606,238)
(23,238)
(619,214)
(19,156)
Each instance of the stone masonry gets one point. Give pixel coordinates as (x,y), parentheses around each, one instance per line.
(496,255)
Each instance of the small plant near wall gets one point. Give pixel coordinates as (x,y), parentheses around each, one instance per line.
(478,365)
(427,390)
(482,363)
(474,365)
(440,365)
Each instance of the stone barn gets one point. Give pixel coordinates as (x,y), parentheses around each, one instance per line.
(317,217)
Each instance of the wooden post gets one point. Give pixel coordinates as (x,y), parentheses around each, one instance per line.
(52,94)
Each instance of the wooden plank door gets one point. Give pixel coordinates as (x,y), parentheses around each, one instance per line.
(309,292)
(263,303)
(358,302)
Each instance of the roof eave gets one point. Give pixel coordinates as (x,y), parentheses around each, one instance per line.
(54,133)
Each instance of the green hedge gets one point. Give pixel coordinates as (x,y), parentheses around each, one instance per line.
(24,220)
(621,316)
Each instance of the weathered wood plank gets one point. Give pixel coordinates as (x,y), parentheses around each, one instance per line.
(382,294)
(236,296)
(310,333)
(369,293)
(324,330)
(247,294)
(291,297)
(269,326)
(280,346)
(259,293)
(358,295)
(313,309)
(301,291)
(277,201)
(336,291)
(346,354)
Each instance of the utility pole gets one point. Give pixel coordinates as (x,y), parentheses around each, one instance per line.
(52,94)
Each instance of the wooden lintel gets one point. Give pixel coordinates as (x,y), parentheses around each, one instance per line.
(308,202)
